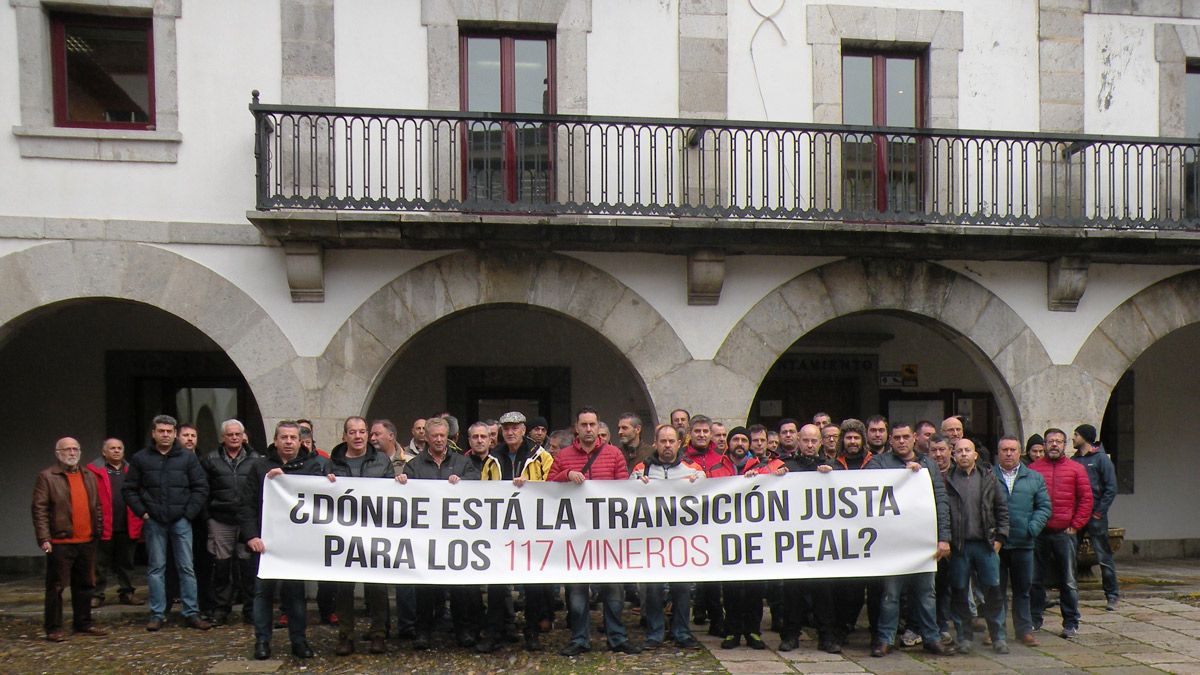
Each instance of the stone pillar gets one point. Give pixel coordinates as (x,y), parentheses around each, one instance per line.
(703,387)
(1060,87)
(1063,397)
(703,93)
(306,42)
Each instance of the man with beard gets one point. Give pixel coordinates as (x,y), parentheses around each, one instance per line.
(588,459)
(848,593)
(667,463)
(629,435)
(681,419)
(1071,508)
(285,456)
(921,584)
(539,431)
(830,433)
(743,599)
(67,521)
(850,452)
(877,435)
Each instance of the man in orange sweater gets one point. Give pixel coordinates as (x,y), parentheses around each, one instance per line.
(67,521)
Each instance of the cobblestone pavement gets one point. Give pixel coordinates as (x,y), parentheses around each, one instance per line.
(1156,629)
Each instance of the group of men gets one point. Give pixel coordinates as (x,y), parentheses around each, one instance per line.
(997,525)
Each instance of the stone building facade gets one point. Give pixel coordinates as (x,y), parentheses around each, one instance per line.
(142,270)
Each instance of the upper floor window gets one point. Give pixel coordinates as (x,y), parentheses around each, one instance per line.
(103,71)
(508,73)
(882,172)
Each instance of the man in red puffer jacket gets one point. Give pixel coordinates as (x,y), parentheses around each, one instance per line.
(588,459)
(122,528)
(1054,553)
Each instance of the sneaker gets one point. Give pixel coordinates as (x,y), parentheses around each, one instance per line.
(1111,606)
(1068,632)
(755,641)
(731,641)
(947,638)
(1000,647)
(909,638)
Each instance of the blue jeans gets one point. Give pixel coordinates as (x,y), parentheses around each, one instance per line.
(579,618)
(291,601)
(652,609)
(1055,556)
(979,557)
(1016,565)
(180,535)
(1097,532)
(920,586)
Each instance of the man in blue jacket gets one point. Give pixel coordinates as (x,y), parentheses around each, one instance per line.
(1103,477)
(1028,511)
(167,488)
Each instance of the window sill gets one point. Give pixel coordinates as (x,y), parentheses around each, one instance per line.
(105,145)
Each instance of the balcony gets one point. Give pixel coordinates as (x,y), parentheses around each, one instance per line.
(429,179)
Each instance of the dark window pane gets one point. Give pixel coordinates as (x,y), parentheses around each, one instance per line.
(857,88)
(1192,89)
(107,73)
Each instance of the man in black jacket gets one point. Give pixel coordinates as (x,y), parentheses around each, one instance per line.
(228,468)
(979,527)
(166,487)
(355,457)
(439,463)
(288,456)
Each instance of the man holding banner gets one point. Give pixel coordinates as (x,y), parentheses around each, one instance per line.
(920,584)
(588,459)
(438,463)
(667,463)
(285,455)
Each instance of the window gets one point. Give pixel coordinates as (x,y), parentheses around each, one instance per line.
(1191,122)
(507,73)
(103,71)
(881,172)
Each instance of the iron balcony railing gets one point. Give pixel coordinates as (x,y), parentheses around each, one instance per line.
(403,160)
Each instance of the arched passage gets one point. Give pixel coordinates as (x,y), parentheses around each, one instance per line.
(55,272)
(1143,358)
(995,339)
(366,345)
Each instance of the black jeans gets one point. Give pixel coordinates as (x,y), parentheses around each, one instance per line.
(743,607)
(377,608)
(115,556)
(70,565)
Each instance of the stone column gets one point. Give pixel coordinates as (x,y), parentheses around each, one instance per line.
(1060,86)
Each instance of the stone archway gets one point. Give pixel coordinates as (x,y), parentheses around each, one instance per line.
(364,348)
(993,336)
(1130,329)
(54,272)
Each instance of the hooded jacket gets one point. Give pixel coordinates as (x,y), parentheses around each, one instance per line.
(167,487)
(1103,477)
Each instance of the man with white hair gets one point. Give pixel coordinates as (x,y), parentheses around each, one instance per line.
(227,469)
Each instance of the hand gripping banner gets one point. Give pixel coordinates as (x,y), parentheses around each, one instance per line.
(801,525)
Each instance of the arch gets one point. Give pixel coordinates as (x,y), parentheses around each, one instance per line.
(370,340)
(55,272)
(992,335)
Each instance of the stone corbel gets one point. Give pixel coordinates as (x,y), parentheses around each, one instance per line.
(305,271)
(705,277)
(1066,280)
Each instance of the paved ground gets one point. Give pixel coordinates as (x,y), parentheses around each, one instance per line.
(1156,629)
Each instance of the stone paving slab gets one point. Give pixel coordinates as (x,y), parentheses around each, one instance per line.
(223,667)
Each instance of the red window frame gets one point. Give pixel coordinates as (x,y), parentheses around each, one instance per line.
(58,66)
(508,102)
(879,61)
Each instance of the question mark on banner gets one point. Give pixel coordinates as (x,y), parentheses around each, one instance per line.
(870,535)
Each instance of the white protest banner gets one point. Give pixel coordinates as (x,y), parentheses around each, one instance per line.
(801,525)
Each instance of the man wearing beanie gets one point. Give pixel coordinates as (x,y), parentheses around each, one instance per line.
(1103,477)
(1035,448)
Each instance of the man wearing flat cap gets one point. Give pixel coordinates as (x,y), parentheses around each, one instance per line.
(1103,477)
